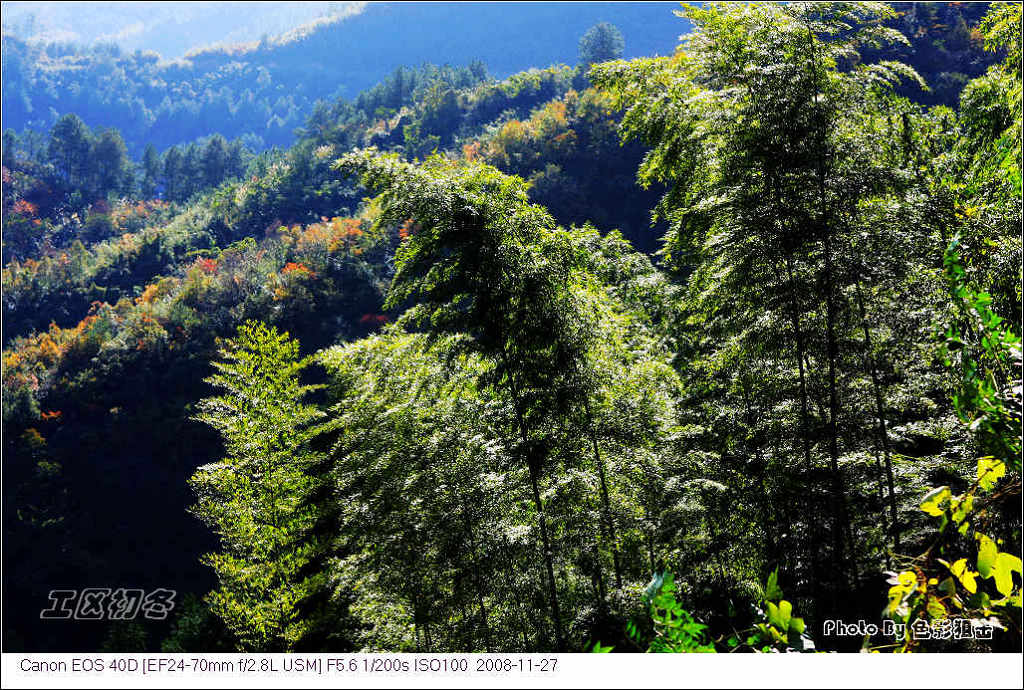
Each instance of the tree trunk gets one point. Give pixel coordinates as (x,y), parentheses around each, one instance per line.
(546,543)
(794,317)
(839,524)
(883,432)
(832,351)
(533,465)
(609,524)
(476,579)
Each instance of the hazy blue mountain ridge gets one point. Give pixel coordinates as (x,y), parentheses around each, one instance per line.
(267,90)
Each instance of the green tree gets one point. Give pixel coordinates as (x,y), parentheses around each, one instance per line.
(151,172)
(423,488)
(109,165)
(257,498)
(481,267)
(174,184)
(494,268)
(601,42)
(775,166)
(190,178)
(215,161)
(68,149)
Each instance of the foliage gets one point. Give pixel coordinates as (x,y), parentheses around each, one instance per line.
(256,498)
(779,629)
(675,630)
(989,356)
(196,629)
(924,593)
(601,43)
(494,268)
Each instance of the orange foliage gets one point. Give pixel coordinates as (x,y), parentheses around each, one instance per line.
(555,110)
(33,439)
(40,354)
(49,351)
(148,295)
(155,291)
(514,130)
(132,214)
(334,233)
(25,208)
(302,269)
(471,151)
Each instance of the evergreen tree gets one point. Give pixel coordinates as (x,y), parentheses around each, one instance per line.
(174,182)
(109,165)
(151,172)
(68,150)
(601,42)
(215,161)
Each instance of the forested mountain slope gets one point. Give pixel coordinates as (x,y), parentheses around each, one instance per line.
(262,91)
(267,90)
(106,302)
(448,407)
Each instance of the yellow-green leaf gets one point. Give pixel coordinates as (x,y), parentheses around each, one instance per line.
(785,612)
(1006,565)
(990,471)
(936,609)
(961,509)
(965,575)
(932,502)
(987,553)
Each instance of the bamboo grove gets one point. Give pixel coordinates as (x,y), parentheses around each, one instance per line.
(553,418)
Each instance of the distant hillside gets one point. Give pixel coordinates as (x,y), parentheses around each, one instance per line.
(263,90)
(267,89)
(946,47)
(169,28)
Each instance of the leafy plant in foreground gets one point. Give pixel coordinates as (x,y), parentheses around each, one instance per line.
(673,629)
(949,581)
